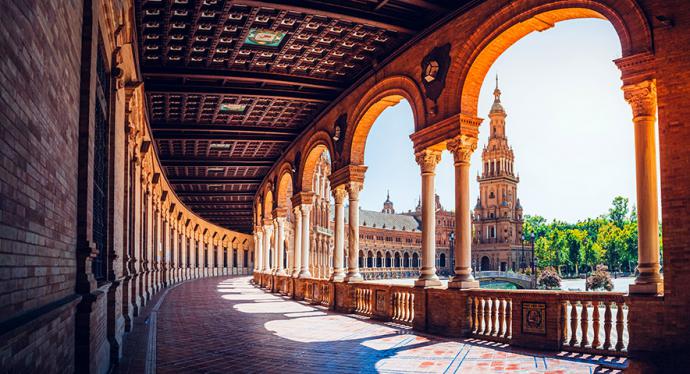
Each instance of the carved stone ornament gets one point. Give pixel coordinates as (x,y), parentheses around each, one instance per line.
(339,194)
(434,70)
(339,130)
(462,147)
(642,98)
(428,159)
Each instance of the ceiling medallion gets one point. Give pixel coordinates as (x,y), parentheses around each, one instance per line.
(264,38)
(232,108)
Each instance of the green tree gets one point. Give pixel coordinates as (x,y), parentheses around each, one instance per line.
(576,241)
(619,212)
(611,239)
(629,255)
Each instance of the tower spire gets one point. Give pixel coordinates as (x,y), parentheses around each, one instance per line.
(497,107)
(497,92)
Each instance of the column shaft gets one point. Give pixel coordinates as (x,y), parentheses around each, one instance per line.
(462,148)
(642,98)
(297,247)
(280,247)
(353,274)
(428,159)
(304,272)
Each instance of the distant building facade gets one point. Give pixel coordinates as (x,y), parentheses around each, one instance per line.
(391,243)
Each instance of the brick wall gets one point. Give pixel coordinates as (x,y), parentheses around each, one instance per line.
(673,90)
(39,101)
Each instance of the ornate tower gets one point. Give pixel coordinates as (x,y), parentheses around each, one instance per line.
(498,215)
(388,205)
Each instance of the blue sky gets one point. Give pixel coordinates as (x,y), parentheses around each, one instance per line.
(567,121)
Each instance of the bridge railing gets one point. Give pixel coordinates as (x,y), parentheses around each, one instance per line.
(502,274)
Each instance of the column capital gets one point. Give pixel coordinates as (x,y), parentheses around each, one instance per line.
(462,147)
(302,198)
(642,98)
(297,210)
(348,173)
(279,212)
(339,194)
(428,159)
(353,189)
(305,208)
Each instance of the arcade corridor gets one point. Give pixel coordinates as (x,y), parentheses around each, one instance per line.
(221,325)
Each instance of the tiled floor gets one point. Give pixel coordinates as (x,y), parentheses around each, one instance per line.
(226,325)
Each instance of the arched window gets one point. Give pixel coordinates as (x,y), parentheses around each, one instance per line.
(406,260)
(379,260)
(388,260)
(397,260)
(415,260)
(361,259)
(442,260)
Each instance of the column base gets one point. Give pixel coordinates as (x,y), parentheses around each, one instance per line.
(281,272)
(463,284)
(337,277)
(353,278)
(305,274)
(646,288)
(432,282)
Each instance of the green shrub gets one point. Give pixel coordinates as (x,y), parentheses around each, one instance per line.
(549,279)
(600,279)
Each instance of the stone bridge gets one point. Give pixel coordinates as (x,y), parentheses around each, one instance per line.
(520,280)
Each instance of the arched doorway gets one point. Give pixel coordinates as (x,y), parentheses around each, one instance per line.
(485,264)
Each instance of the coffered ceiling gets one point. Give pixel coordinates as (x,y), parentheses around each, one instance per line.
(230,84)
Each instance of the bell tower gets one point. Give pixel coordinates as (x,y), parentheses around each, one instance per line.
(498,215)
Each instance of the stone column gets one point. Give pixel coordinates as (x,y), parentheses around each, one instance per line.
(462,148)
(297,247)
(258,249)
(353,274)
(642,99)
(304,272)
(268,232)
(280,246)
(427,160)
(274,248)
(339,194)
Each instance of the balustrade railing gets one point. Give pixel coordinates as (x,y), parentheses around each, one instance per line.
(491,315)
(325,293)
(594,322)
(363,302)
(586,322)
(403,306)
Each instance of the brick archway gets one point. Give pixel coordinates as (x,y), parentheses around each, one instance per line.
(387,93)
(284,189)
(268,203)
(317,144)
(510,24)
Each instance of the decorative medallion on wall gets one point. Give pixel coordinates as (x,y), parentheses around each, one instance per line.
(295,169)
(534,318)
(380,301)
(338,136)
(434,70)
